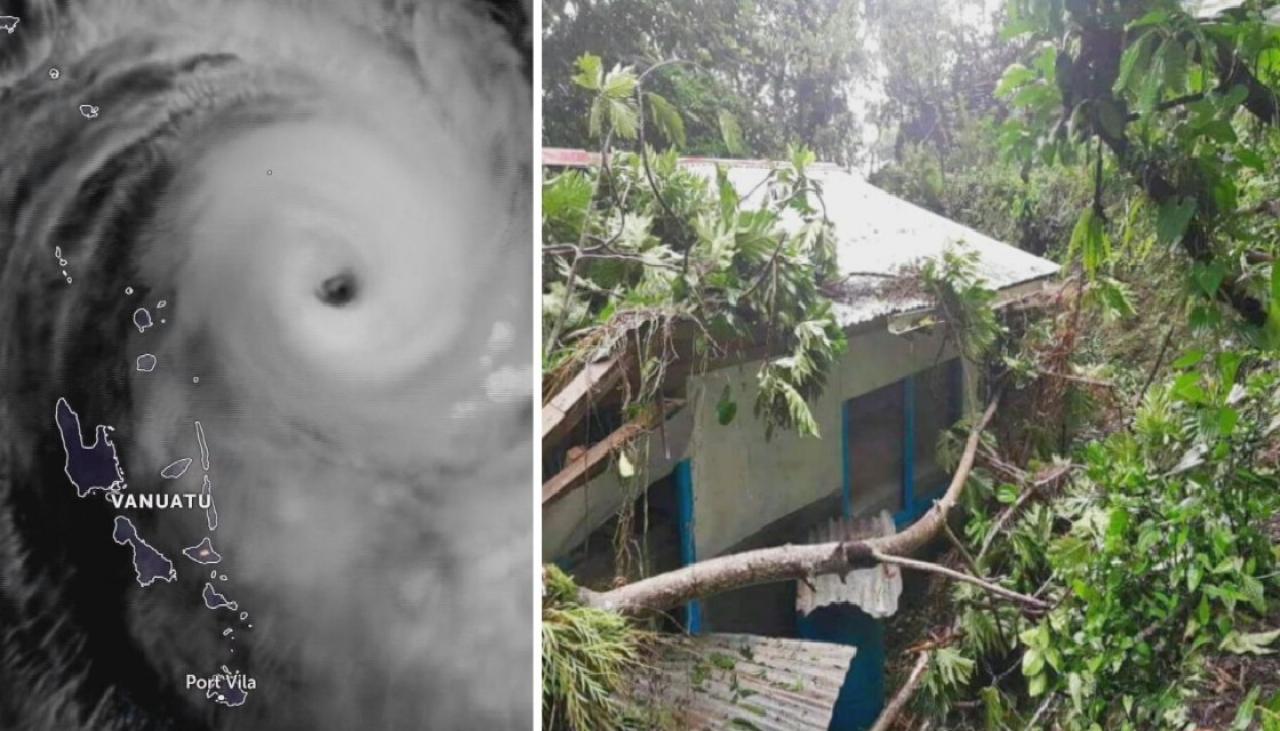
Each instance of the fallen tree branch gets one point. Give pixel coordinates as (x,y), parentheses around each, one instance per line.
(789,562)
(994,462)
(891,712)
(903,696)
(934,568)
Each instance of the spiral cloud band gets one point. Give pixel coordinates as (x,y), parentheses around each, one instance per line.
(265,402)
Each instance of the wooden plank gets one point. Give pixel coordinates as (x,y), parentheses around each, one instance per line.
(593,460)
(563,411)
(590,463)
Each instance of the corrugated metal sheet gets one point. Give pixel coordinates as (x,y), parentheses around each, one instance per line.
(878,233)
(1209,8)
(730,681)
(875,590)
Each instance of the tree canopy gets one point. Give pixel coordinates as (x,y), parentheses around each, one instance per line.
(780,72)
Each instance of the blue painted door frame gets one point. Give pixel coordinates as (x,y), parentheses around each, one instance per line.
(688,537)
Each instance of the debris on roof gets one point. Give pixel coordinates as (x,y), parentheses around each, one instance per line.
(880,240)
(586,463)
(879,235)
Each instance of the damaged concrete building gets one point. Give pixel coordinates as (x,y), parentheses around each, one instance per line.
(712,488)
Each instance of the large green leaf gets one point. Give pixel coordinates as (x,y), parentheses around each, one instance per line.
(666,118)
(1112,118)
(1175,65)
(620,83)
(1173,218)
(566,196)
(1089,238)
(590,72)
(1136,59)
(731,132)
(1209,275)
(1014,76)
(726,408)
(623,117)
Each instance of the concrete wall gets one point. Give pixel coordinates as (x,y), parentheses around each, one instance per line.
(743,482)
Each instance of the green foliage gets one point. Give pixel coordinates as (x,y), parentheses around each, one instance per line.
(971,181)
(787,383)
(1178,99)
(939,127)
(587,656)
(948,671)
(964,300)
(784,70)
(731,133)
(646,249)
(613,105)
(1089,239)
(667,119)
(1154,556)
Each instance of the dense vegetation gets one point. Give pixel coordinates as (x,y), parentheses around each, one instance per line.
(751,78)
(638,248)
(1131,481)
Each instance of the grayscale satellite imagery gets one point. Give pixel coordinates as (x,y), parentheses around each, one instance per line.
(265,364)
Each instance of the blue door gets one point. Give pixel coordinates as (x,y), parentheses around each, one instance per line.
(862,695)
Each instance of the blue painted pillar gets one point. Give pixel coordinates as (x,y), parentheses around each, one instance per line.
(688,539)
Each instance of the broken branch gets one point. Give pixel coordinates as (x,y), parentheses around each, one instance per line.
(934,568)
(903,696)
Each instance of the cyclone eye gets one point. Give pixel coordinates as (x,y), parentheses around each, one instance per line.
(338,290)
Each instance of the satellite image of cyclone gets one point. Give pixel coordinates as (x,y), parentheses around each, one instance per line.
(265,364)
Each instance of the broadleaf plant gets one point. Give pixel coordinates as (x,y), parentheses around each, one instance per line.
(644,254)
